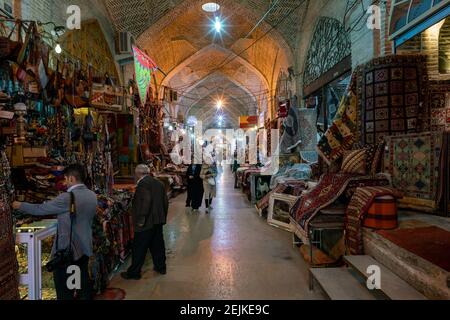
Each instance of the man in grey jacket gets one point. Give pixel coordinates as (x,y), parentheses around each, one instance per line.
(86,206)
(149,211)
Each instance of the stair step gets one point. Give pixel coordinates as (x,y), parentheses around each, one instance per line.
(340,284)
(392,286)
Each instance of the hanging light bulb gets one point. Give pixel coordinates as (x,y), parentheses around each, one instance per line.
(218,25)
(58,48)
(219,104)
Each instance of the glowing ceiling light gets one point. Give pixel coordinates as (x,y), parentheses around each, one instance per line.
(58,48)
(211,7)
(170,128)
(219,104)
(218,25)
(220,118)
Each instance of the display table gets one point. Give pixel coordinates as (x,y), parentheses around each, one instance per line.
(33,235)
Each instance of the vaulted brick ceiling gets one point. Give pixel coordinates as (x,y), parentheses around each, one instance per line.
(177,35)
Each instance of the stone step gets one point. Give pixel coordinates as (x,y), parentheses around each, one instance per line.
(340,284)
(422,275)
(391,285)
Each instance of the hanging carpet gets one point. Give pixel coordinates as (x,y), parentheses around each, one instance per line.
(392,96)
(413,161)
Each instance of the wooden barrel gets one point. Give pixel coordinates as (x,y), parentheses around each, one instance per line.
(382,214)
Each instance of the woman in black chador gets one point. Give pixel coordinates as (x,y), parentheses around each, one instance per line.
(195,187)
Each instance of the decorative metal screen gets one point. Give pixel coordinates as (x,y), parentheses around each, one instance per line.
(329,46)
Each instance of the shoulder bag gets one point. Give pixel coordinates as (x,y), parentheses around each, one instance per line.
(64,257)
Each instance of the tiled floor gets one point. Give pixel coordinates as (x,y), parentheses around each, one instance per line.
(229,254)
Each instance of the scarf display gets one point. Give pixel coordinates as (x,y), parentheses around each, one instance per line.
(112,235)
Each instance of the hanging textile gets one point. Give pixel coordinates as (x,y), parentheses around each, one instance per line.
(9,277)
(342,133)
(392,96)
(144,66)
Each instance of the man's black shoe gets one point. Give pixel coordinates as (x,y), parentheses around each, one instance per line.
(161,271)
(126,276)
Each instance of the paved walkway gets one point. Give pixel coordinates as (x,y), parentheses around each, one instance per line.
(229,254)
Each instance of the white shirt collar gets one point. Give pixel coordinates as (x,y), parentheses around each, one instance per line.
(74,186)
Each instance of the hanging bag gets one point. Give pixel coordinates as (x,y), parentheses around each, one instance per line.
(63,258)
(9,49)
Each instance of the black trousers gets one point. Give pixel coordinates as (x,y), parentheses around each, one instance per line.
(152,240)
(208,202)
(60,277)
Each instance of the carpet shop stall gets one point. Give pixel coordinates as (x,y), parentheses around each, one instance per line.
(56,111)
(386,160)
(383,159)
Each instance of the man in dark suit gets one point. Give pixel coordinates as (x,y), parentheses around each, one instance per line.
(86,206)
(149,211)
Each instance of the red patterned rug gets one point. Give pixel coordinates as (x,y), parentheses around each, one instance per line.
(430,243)
(111,294)
(356,210)
(330,187)
(292,187)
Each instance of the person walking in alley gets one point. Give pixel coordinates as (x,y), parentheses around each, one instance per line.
(194,188)
(149,212)
(208,174)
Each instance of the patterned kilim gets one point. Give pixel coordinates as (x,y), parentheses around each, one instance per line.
(246,176)
(8,263)
(413,162)
(294,187)
(392,96)
(359,204)
(341,135)
(308,129)
(439,106)
(330,187)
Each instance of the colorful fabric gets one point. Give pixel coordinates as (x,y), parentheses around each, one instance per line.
(354,162)
(341,135)
(9,283)
(392,96)
(438,115)
(356,211)
(9,276)
(330,187)
(308,129)
(292,187)
(144,66)
(413,161)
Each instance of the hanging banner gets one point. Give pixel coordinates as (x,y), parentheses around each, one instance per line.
(144,66)
(247,122)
